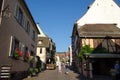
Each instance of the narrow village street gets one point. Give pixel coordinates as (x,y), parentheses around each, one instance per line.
(56,75)
(43,39)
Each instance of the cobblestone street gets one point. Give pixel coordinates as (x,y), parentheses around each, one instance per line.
(55,75)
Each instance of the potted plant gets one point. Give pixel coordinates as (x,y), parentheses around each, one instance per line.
(26,57)
(17,53)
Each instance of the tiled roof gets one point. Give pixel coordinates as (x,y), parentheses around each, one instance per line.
(44,42)
(99,30)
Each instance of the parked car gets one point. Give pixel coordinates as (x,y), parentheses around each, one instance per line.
(50,66)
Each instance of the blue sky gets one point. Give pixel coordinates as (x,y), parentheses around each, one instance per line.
(57,17)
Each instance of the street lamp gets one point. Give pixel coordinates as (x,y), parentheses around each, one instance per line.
(6,12)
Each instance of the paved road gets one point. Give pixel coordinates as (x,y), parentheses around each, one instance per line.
(55,75)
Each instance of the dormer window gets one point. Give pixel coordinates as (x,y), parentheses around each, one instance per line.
(40,42)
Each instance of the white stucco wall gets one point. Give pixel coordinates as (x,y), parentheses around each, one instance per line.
(42,55)
(70,52)
(101,12)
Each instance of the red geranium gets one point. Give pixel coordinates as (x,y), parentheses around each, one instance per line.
(27,55)
(17,49)
(20,54)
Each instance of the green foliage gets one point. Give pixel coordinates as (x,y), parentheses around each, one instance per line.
(32,71)
(15,54)
(100,50)
(86,49)
(80,57)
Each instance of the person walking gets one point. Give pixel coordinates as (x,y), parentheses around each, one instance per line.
(117,70)
(59,66)
(66,67)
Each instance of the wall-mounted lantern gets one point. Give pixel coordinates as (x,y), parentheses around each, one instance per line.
(6,12)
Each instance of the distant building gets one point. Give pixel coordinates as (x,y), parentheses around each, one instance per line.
(62,55)
(45,47)
(70,54)
(18,35)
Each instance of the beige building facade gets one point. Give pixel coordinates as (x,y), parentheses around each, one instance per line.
(17,31)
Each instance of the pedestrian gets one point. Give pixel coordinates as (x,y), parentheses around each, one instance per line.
(117,70)
(59,66)
(67,68)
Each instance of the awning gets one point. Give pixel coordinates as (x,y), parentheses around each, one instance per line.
(102,55)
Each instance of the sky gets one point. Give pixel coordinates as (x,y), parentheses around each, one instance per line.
(57,17)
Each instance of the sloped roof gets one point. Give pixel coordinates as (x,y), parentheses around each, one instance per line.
(42,34)
(29,15)
(101,12)
(44,42)
(99,30)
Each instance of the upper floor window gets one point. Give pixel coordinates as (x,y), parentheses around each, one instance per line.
(33,35)
(18,14)
(1,1)
(40,42)
(28,27)
(40,50)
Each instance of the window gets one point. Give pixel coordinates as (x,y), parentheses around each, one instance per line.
(33,35)
(40,50)
(1,1)
(40,42)
(32,53)
(23,21)
(15,44)
(28,27)
(18,14)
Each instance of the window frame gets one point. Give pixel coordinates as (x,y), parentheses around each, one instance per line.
(27,27)
(1,3)
(33,35)
(40,50)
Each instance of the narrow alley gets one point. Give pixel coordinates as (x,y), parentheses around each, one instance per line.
(56,75)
